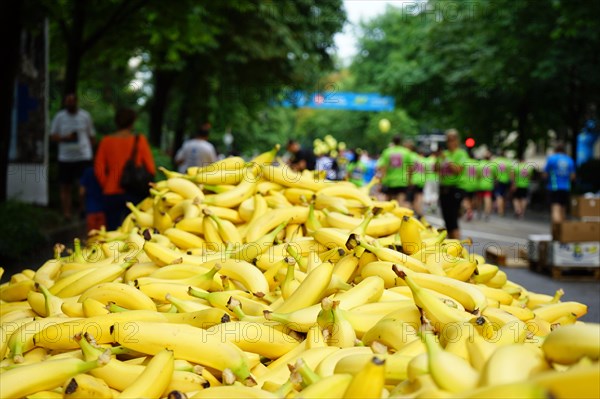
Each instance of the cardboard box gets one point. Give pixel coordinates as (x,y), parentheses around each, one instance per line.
(573,231)
(539,251)
(582,207)
(508,256)
(586,254)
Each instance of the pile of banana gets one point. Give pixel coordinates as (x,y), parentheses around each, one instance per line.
(249,280)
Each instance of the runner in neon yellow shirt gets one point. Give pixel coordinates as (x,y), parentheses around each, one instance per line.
(503,166)
(450,165)
(418,182)
(486,172)
(469,184)
(394,163)
(521,177)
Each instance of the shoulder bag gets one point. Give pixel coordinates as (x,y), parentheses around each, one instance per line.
(135,179)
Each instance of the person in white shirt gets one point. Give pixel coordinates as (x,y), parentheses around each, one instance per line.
(197,151)
(72,128)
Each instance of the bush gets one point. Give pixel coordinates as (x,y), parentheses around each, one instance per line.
(21,229)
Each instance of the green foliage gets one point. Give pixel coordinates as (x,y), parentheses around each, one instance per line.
(486,66)
(21,229)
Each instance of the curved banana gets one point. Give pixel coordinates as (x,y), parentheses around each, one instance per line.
(96,276)
(268,221)
(254,337)
(450,372)
(288,177)
(186,342)
(184,187)
(368,382)
(392,332)
(512,363)
(21,381)
(568,344)
(553,311)
(155,378)
(86,386)
(232,198)
(310,290)
(184,239)
(123,295)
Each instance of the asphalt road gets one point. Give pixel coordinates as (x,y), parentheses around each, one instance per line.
(513,233)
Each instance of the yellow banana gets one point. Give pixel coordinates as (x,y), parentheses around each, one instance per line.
(186,342)
(310,290)
(512,363)
(568,344)
(21,381)
(86,386)
(254,337)
(155,378)
(123,295)
(234,197)
(184,239)
(290,178)
(184,187)
(268,221)
(450,372)
(369,382)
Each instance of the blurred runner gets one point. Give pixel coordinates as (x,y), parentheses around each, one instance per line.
(469,184)
(356,169)
(503,166)
(301,158)
(394,165)
(450,165)
(559,172)
(197,151)
(417,183)
(486,172)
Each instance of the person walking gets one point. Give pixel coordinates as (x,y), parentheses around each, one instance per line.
(469,183)
(394,165)
(450,165)
(197,151)
(486,175)
(503,167)
(72,128)
(418,177)
(300,158)
(559,173)
(356,169)
(521,178)
(113,153)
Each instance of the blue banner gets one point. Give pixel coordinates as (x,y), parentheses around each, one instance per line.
(340,100)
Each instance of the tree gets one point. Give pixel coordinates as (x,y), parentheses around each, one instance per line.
(85,23)
(11,24)
(486,66)
(256,49)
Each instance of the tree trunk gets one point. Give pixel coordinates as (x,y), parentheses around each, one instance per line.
(10,31)
(75,48)
(163,81)
(523,123)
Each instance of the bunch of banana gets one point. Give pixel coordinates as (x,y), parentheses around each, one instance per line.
(247,279)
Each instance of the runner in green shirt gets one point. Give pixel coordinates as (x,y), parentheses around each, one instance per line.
(469,183)
(486,172)
(521,177)
(450,165)
(431,188)
(355,171)
(394,165)
(418,182)
(504,166)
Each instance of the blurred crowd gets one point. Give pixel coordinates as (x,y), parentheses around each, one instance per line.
(425,180)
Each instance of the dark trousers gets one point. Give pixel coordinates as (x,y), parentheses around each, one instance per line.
(116,209)
(450,201)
